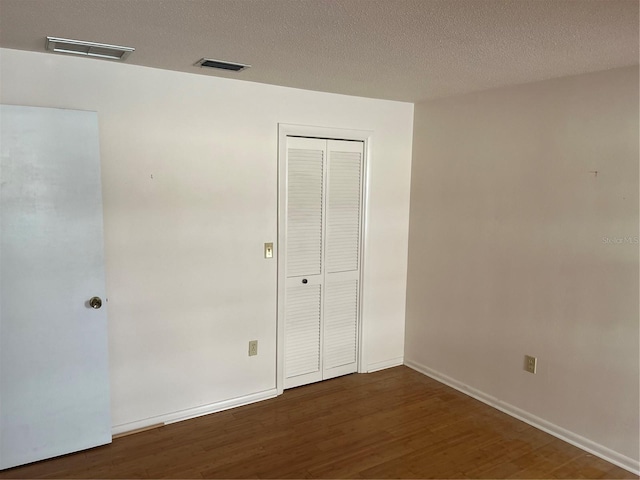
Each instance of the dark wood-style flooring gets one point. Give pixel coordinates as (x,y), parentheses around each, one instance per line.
(395,423)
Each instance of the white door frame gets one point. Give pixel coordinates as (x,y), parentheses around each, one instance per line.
(285,130)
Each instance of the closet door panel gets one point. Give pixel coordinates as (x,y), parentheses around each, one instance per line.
(342,275)
(304,243)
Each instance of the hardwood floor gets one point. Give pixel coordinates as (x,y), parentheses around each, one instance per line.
(395,423)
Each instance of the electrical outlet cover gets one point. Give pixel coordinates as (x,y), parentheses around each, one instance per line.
(530,364)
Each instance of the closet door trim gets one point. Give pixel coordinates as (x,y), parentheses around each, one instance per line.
(288,130)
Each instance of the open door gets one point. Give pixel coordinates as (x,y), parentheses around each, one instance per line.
(54,383)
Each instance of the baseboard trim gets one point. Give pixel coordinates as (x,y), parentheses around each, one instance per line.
(394,362)
(574,439)
(137,430)
(189,413)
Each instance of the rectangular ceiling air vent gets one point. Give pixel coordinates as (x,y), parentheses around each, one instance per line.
(222,65)
(88,49)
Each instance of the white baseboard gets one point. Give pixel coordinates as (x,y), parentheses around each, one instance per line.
(193,412)
(574,439)
(394,362)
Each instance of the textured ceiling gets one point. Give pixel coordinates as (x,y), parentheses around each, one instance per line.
(395,49)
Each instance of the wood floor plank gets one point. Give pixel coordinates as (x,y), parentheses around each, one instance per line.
(395,423)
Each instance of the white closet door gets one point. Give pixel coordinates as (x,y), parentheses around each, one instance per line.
(322,258)
(342,276)
(306,178)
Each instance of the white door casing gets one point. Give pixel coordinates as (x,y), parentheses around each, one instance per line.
(54,383)
(319,314)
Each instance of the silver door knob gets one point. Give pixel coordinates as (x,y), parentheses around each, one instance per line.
(95,302)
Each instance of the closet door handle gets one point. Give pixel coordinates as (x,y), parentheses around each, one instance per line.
(304,280)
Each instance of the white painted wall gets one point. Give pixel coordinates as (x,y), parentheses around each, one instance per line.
(508,253)
(189,168)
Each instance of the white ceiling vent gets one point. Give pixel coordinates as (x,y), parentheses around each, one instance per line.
(222,65)
(88,49)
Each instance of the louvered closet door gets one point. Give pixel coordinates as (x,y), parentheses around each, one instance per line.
(342,253)
(304,263)
(322,258)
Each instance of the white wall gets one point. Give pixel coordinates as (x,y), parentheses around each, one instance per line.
(507,255)
(189,174)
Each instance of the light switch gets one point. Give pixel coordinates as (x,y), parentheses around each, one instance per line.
(268,250)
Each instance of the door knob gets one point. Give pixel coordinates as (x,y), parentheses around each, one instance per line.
(95,302)
(304,280)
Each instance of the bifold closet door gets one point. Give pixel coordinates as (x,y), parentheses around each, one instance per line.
(322,258)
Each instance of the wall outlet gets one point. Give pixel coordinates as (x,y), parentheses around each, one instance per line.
(530,364)
(253,348)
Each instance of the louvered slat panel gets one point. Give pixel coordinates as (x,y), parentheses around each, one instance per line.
(340,323)
(343,211)
(304,211)
(302,330)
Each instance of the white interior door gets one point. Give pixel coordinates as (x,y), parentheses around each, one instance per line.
(54,384)
(322,258)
